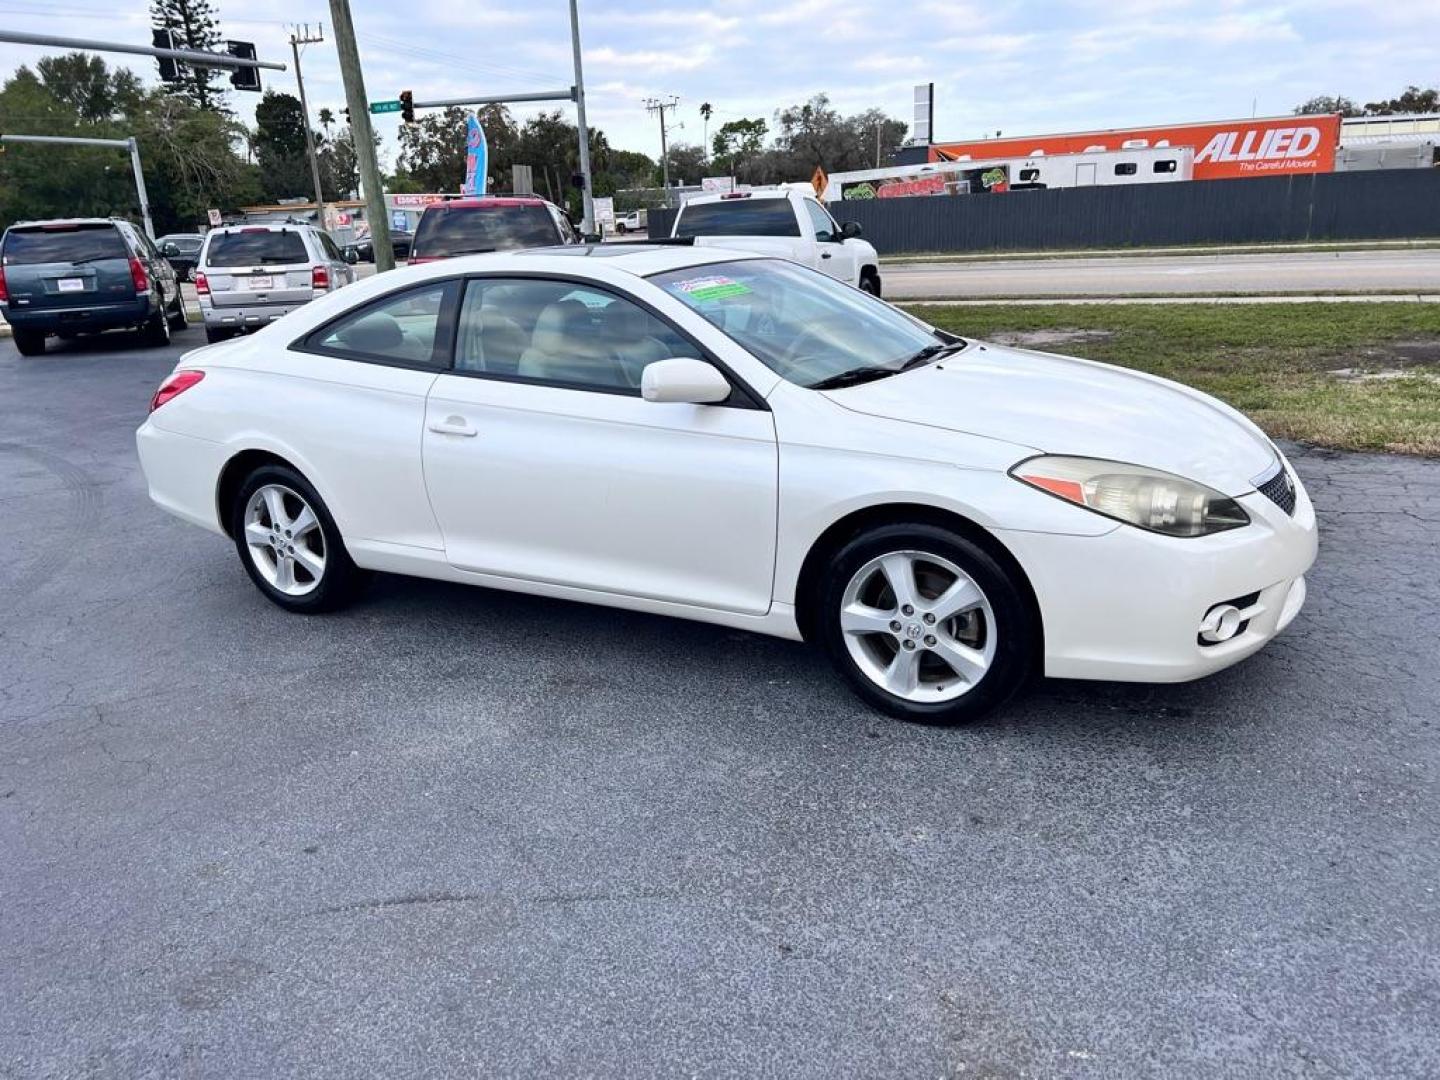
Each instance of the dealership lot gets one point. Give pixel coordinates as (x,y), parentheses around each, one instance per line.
(458,829)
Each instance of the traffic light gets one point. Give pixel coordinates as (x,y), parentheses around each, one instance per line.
(407,106)
(169,67)
(245,78)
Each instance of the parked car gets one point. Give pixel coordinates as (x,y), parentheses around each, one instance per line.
(84,275)
(489,223)
(251,275)
(363,250)
(785,222)
(748,442)
(635,221)
(182,251)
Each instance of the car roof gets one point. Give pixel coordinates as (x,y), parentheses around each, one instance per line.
(738,196)
(482,201)
(259,226)
(42,223)
(640,259)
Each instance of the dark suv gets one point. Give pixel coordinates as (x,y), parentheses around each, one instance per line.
(84,275)
(489,223)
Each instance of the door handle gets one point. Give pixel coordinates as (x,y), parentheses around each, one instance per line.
(454,425)
(825,255)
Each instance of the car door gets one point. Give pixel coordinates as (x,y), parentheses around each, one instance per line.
(544,463)
(167,284)
(833,256)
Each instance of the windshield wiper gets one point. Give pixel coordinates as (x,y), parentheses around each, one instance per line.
(931,352)
(472,251)
(853,377)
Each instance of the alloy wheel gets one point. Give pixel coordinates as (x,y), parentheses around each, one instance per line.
(284,539)
(918,626)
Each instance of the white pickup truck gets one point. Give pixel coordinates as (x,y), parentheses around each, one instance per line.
(790,224)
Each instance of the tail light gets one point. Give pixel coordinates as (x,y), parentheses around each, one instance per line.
(202,283)
(138,275)
(320,277)
(174,386)
(4,295)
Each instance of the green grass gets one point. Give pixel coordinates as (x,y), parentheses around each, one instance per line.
(1272,361)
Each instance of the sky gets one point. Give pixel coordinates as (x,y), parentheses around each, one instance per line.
(1022,67)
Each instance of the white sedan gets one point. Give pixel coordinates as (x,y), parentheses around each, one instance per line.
(746,442)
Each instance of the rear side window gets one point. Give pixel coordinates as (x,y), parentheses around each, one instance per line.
(256,248)
(405,328)
(1125,168)
(1167,165)
(739,217)
(67,244)
(444,232)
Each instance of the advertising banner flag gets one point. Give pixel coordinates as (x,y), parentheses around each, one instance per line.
(476,154)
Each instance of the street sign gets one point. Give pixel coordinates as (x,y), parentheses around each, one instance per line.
(214,216)
(384,106)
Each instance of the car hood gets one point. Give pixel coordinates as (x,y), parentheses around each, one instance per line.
(1065,405)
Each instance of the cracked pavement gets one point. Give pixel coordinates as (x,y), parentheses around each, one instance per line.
(452,831)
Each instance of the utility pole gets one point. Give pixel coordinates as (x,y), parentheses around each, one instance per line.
(300,37)
(655,105)
(359,105)
(587,197)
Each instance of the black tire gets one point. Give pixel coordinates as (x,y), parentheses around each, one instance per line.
(214,335)
(29,342)
(179,318)
(870,282)
(1015,628)
(341,579)
(156,332)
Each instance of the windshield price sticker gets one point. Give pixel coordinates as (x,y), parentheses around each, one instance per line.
(713,288)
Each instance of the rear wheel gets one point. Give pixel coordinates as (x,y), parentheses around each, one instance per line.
(157,329)
(870,282)
(29,342)
(289,543)
(925,625)
(179,318)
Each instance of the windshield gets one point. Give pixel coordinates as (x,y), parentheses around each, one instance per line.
(804,326)
(443,232)
(256,248)
(68,243)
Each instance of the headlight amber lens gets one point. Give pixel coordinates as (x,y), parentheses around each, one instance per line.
(1147,498)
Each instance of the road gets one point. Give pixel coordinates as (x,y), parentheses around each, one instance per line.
(459,832)
(1302,272)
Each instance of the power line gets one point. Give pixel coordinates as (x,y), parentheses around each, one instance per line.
(658,107)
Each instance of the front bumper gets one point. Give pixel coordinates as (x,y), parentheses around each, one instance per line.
(1127,605)
(245,317)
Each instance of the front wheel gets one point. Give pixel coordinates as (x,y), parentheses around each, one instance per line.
(925,625)
(289,544)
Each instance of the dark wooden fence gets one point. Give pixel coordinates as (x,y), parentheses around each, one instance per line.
(1382,204)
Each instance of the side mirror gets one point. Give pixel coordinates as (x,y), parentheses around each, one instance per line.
(682,379)
(851,230)
(170,249)
(351,255)
(592,238)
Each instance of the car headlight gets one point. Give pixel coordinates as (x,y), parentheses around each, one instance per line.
(1146,498)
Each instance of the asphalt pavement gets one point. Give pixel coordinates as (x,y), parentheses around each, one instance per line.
(460,832)
(1312,272)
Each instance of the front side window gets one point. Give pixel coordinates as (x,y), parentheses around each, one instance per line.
(558,332)
(801,324)
(738,217)
(402,328)
(1166,165)
(825,231)
(256,247)
(1125,168)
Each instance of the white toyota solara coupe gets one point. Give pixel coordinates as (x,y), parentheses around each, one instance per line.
(746,442)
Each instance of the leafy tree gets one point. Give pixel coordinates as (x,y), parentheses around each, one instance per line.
(815,134)
(194,25)
(687,163)
(432,150)
(279,144)
(737,143)
(1323,104)
(1413,100)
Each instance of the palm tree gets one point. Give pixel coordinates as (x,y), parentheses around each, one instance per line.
(326,119)
(706,110)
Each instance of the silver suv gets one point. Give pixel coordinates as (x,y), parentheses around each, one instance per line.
(250,275)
